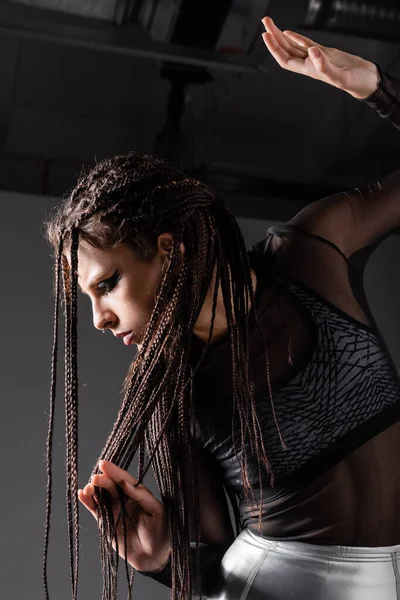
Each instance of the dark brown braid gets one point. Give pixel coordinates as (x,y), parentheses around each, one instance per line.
(57,272)
(130,200)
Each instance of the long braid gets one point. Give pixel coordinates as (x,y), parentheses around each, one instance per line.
(68,418)
(131,200)
(74,401)
(118,435)
(53,386)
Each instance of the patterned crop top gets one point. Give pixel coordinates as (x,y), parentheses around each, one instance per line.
(343,391)
(346,392)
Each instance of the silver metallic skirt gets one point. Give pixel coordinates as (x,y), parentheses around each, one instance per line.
(258,568)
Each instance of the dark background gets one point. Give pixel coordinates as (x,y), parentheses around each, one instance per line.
(191,80)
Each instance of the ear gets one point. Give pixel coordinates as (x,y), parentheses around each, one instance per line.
(165,244)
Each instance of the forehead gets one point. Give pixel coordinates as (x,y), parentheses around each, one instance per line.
(95,263)
(88,256)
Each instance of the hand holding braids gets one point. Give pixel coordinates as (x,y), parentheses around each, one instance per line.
(130,199)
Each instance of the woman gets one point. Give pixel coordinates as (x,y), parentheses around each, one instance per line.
(258,373)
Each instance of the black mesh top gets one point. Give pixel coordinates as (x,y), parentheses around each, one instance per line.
(339,393)
(337,400)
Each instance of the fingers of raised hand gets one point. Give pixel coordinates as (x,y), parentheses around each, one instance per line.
(282,57)
(300,40)
(324,68)
(294,49)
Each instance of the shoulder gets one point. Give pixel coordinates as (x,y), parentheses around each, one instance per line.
(320,266)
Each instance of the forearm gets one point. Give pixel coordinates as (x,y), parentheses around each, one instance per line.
(386,99)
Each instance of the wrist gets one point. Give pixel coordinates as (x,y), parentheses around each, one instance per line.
(375,80)
(370,82)
(149,565)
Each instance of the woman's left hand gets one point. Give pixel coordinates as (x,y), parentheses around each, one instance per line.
(294,52)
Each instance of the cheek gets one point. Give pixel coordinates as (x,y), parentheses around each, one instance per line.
(144,286)
(137,298)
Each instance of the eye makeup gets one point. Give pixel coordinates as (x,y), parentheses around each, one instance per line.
(109,284)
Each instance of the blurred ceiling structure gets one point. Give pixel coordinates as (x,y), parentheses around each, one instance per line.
(191,80)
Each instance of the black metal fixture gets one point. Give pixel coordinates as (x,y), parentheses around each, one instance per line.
(378,19)
(198,24)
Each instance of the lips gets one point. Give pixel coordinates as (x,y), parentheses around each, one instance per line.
(128,339)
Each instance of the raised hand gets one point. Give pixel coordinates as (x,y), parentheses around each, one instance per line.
(148,547)
(294,52)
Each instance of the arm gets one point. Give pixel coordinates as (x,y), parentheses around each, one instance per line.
(216,528)
(358,220)
(362,217)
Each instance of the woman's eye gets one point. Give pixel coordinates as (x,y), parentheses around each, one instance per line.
(108,285)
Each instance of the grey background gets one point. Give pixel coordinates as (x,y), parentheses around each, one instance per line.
(26,310)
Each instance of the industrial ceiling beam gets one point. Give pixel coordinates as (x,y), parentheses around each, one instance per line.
(128,40)
(248,195)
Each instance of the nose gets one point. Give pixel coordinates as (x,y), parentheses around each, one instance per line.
(102,318)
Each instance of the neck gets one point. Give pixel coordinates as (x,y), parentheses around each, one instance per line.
(220,328)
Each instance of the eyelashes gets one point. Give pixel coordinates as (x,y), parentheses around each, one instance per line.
(106,286)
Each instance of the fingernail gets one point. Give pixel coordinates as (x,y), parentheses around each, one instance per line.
(315,51)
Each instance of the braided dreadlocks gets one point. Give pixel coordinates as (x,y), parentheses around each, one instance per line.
(130,199)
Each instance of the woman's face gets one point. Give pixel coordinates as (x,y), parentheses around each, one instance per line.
(122,288)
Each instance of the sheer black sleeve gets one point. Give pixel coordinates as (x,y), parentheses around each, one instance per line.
(386,99)
(360,219)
